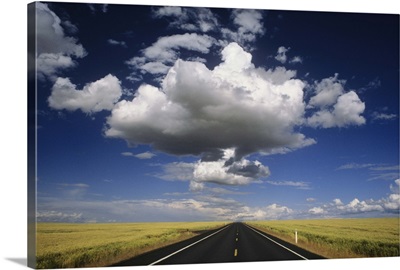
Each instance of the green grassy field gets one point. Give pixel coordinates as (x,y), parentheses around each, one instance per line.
(61,245)
(340,238)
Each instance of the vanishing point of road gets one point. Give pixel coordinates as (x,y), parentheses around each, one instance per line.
(235,242)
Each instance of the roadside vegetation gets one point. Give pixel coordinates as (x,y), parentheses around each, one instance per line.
(339,238)
(62,245)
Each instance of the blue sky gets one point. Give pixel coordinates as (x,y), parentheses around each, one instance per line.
(180,114)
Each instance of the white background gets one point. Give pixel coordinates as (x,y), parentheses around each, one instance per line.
(13,138)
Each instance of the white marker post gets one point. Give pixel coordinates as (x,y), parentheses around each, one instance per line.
(295,236)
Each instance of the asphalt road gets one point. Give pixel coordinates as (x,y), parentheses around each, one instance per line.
(236,242)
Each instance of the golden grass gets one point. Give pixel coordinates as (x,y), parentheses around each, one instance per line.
(66,245)
(340,238)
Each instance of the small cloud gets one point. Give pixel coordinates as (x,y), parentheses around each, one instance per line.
(128,92)
(70,27)
(351,166)
(376,116)
(108,181)
(249,25)
(386,168)
(311,199)
(189,19)
(281,56)
(388,205)
(94,7)
(298,185)
(377,171)
(73,191)
(78,185)
(176,193)
(127,154)
(336,108)
(374,84)
(337,202)
(55,51)
(158,58)
(224,191)
(296,59)
(117,43)
(384,172)
(385,176)
(51,216)
(395,188)
(196,186)
(145,155)
(316,211)
(168,11)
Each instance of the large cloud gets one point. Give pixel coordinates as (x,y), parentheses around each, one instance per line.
(234,108)
(201,111)
(55,50)
(94,97)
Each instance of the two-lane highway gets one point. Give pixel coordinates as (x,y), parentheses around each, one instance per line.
(236,242)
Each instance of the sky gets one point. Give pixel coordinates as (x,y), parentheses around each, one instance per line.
(168,113)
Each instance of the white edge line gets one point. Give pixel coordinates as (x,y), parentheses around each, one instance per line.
(276,242)
(182,249)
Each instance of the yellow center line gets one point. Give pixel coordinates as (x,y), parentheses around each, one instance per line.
(235,254)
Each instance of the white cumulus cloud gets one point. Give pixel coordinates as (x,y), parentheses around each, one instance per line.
(224,171)
(347,111)
(94,97)
(55,50)
(235,106)
(334,106)
(198,111)
(249,26)
(316,210)
(229,172)
(327,92)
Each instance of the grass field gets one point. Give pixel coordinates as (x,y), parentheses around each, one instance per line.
(83,245)
(340,238)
